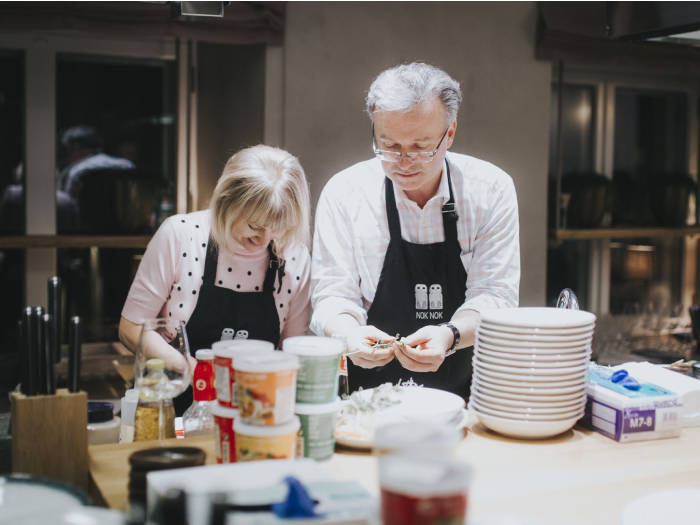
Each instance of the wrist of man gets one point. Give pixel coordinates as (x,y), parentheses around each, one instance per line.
(454,332)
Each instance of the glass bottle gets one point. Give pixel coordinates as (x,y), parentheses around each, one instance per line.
(155,415)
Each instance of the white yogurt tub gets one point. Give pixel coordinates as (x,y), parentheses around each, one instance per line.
(224,371)
(317,429)
(255,442)
(319,362)
(266,385)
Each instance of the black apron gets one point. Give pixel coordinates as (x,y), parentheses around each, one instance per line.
(220,309)
(420,285)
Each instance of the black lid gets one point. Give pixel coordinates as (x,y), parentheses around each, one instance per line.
(100,411)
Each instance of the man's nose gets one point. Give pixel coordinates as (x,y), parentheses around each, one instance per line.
(404,161)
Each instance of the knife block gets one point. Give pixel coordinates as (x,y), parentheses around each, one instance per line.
(49,436)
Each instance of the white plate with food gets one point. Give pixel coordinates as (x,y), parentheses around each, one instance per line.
(365,410)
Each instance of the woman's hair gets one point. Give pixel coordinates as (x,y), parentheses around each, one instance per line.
(403,87)
(264,186)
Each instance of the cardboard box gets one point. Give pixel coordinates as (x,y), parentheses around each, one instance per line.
(652,412)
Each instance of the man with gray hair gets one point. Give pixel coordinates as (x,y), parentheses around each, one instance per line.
(415,242)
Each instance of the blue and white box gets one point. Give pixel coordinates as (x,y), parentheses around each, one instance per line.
(652,412)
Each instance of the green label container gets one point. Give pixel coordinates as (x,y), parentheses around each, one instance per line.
(318,429)
(319,362)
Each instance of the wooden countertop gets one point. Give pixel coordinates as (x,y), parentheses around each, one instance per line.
(580,477)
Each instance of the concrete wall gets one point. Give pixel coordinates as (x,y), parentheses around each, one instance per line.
(333,51)
(230,108)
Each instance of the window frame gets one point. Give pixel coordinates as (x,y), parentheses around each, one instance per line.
(606,82)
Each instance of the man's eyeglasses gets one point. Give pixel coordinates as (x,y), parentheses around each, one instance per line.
(422,157)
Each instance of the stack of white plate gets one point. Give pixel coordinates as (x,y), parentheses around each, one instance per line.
(530,369)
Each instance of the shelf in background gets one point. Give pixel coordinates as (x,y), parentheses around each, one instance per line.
(622,233)
(74,241)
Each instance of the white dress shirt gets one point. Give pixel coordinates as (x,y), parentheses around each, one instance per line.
(352,235)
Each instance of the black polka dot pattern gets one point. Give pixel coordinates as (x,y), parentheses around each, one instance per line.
(204,245)
(238,286)
(194,292)
(184,254)
(189,273)
(281,305)
(179,289)
(230,269)
(289,291)
(257,288)
(220,281)
(250,273)
(180,305)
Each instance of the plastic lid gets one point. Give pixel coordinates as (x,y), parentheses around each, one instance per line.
(263,431)
(423,476)
(310,409)
(155,364)
(227,348)
(223,411)
(309,345)
(408,436)
(100,411)
(205,354)
(266,362)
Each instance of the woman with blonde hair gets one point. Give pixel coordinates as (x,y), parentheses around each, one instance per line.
(239,269)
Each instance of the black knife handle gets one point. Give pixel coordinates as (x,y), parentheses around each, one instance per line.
(54,288)
(47,364)
(39,338)
(74,350)
(29,388)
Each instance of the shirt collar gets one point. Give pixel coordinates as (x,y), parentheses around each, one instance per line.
(442,195)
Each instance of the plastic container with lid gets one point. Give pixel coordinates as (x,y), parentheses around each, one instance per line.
(317,429)
(266,387)
(319,358)
(103,425)
(224,371)
(422,490)
(426,439)
(254,442)
(225,443)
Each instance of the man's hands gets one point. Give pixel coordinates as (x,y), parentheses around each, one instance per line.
(363,350)
(424,350)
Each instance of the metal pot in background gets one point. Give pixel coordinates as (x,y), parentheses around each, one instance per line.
(587,204)
(670,198)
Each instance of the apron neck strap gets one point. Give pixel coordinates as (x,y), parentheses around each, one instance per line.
(449,210)
(274,268)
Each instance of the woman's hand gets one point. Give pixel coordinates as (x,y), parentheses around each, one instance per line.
(424,350)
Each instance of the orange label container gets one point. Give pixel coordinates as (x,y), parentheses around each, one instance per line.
(255,442)
(266,386)
(225,353)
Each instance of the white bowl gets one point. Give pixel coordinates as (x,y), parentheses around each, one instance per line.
(530,356)
(541,333)
(561,371)
(522,411)
(490,358)
(538,317)
(532,342)
(525,414)
(536,335)
(529,388)
(533,401)
(526,429)
(527,395)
